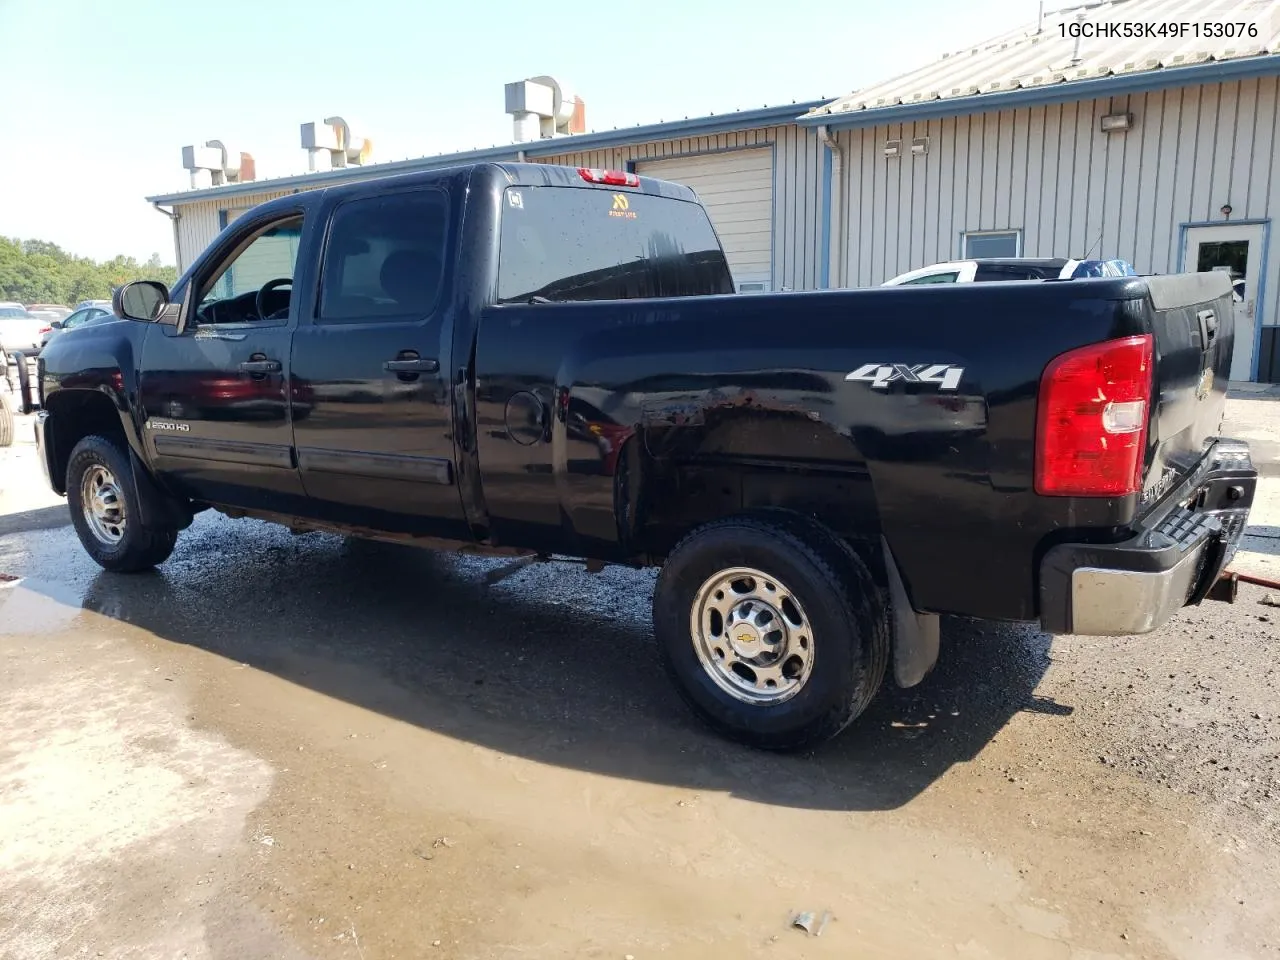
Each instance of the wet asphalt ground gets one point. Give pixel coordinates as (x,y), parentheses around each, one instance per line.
(304,746)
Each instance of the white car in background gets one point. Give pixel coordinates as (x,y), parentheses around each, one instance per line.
(19,329)
(987,270)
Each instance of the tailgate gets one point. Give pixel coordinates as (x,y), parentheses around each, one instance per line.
(1193,324)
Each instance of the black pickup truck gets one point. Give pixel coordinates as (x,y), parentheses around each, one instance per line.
(550,362)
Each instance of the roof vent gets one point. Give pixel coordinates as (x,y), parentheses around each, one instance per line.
(215,164)
(1075,53)
(542,108)
(330,144)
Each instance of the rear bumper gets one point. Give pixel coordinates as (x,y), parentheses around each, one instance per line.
(1137,585)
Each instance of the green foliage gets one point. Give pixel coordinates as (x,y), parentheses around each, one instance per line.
(36,271)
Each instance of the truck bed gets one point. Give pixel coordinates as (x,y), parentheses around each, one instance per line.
(763,412)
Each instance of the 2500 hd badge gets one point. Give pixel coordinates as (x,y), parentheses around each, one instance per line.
(154,424)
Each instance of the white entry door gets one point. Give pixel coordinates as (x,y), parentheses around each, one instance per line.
(1236,249)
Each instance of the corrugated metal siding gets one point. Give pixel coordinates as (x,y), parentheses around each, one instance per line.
(198,222)
(797,189)
(197,226)
(1073,190)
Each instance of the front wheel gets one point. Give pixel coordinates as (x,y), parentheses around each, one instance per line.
(773,630)
(105,511)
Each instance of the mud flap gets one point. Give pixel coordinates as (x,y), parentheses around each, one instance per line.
(26,406)
(916,636)
(155,507)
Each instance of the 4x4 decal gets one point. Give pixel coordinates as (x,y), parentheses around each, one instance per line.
(880,375)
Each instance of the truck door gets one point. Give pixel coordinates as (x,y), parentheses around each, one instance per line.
(373,421)
(215,392)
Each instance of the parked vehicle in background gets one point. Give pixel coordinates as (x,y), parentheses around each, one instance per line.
(1013,268)
(7,402)
(19,329)
(80,318)
(104,304)
(49,311)
(540,361)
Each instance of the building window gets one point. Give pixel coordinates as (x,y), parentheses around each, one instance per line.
(980,244)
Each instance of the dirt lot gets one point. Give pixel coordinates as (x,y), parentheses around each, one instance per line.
(304,747)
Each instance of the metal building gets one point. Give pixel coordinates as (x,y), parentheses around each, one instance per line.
(1161,151)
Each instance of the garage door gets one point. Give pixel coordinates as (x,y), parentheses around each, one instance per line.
(737,189)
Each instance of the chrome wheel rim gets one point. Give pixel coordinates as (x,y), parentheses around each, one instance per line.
(752,636)
(102,502)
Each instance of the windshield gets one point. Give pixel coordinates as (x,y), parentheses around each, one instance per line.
(7,313)
(571,243)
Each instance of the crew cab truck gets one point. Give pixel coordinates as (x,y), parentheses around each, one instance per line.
(550,362)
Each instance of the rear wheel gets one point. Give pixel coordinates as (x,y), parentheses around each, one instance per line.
(6,420)
(773,630)
(105,510)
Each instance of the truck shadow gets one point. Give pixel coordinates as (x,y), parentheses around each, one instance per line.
(553,664)
(1261,539)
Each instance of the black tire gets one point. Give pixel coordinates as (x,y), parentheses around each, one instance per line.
(841,603)
(6,420)
(138,548)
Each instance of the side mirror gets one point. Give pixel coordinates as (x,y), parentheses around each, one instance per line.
(55,324)
(140,300)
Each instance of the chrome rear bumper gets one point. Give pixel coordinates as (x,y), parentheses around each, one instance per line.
(1137,585)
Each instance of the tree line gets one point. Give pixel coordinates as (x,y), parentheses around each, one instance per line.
(36,271)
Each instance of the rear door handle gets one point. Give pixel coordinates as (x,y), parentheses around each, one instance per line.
(416,365)
(260,366)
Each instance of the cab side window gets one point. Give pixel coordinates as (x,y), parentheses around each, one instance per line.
(385,259)
(256,282)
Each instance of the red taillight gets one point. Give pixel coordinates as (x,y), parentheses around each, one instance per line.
(46,329)
(1091,433)
(614,178)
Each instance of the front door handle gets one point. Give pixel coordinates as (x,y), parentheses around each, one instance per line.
(414,365)
(260,366)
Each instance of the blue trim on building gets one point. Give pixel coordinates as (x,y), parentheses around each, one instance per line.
(672,130)
(1260,309)
(824,268)
(1212,72)
(774,266)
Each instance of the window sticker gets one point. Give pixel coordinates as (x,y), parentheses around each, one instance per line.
(622,207)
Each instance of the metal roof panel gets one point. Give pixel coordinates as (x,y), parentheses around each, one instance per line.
(1039,55)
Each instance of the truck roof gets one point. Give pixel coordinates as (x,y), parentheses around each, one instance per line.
(499,176)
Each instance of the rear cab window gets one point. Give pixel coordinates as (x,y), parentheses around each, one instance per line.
(997,273)
(585,243)
(934,278)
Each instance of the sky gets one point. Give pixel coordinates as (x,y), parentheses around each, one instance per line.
(99,98)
